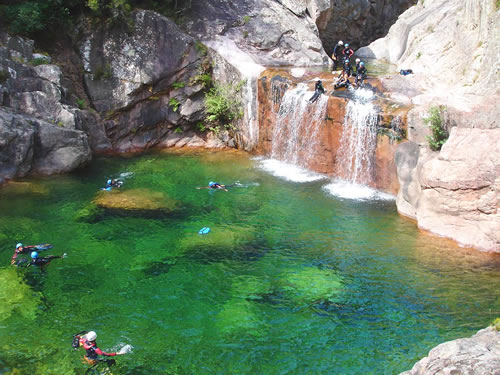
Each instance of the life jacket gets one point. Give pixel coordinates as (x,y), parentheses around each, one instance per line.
(90,348)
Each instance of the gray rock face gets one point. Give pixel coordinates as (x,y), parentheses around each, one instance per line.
(146,81)
(39,134)
(358,22)
(272,32)
(477,355)
(30,145)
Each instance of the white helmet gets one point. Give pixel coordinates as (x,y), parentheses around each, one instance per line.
(91,336)
(341,42)
(358,60)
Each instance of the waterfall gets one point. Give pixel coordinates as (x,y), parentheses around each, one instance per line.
(359,140)
(295,134)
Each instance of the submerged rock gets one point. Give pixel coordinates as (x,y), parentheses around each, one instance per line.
(479,354)
(16,297)
(143,200)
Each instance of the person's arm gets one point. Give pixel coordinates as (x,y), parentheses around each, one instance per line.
(13,260)
(100,352)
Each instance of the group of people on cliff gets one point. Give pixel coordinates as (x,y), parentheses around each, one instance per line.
(342,54)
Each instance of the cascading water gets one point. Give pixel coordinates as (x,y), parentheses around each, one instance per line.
(359,139)
(295,135)
(356,154)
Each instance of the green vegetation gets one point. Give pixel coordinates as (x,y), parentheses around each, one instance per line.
(39,61)
(174,103)
(435,122)
(103,72)
(178,85)
(496,323)
(4,76)
(205,79)
(246,19)
(497,4)
(201,48)
(81,103)
(178,130)
(223,106)
(419,54)
(33,18)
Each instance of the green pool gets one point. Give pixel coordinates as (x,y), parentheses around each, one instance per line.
(290,280)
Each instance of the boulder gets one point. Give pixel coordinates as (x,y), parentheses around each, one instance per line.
(142,201)
(479,354)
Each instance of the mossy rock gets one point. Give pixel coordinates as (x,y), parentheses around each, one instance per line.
(15,187)
(250,288)
(220,244)
(15,296)
(239,317)
(136,200)
(90,213)
(311,285)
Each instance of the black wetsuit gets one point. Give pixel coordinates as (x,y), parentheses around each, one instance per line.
(347,67)
(318,90)
(42,261)
(337,52)
(360,75)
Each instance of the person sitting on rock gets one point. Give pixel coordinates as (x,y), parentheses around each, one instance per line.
(342,80)
(360,74)
(347,51)
(347,67)
(318,90)
(357,64)
(337,54)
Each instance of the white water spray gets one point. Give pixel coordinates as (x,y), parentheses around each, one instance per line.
(295,135)
(359,141)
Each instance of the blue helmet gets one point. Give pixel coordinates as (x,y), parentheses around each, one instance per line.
(19,245)
(347,45)
(361,63)
(211,183)
(109,182)
(34,254)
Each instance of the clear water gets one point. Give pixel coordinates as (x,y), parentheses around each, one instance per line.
(290,281)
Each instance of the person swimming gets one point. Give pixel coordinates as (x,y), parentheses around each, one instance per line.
(214,185)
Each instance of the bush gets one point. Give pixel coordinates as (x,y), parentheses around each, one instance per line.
(178,85)
(39,61)
(4,76)
(223,106)
(435,122)
(174,103)
(81,103)
(496,324)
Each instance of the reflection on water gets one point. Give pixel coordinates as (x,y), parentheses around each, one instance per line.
(289,280)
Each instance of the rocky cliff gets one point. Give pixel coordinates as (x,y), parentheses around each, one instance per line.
(452,47)
(479,354)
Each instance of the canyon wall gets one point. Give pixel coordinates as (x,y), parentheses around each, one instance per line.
(452,48)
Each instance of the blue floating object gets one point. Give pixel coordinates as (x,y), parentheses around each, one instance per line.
(107,188)
(204,230)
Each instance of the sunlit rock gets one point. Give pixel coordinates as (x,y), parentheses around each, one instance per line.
(143,200)
(16,297)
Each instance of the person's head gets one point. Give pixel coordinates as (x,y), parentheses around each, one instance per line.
(211,184)
(19,246)
(361,63)
(318,82)
(341,43)
(91,336)
(34,255)
(347,45)
(108,182)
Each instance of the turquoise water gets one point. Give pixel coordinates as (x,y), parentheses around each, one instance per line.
(290,280)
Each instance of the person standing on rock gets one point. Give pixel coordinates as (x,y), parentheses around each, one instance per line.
(360,74)
(318,90)
(337,54)
(347,51)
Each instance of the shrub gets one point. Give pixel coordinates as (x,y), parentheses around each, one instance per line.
(435,122)
(81,103)
(223,105)
(178,85)
(496,324)
(419,54)
(174,103)
(39,61)
(246,19)
(201,48)
(4,76)
(204,79)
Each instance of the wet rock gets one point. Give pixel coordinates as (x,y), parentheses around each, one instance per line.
(479,354)
(141,201)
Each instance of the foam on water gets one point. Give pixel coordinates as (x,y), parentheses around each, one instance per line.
(297,72)
(289,172)
(347,190)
